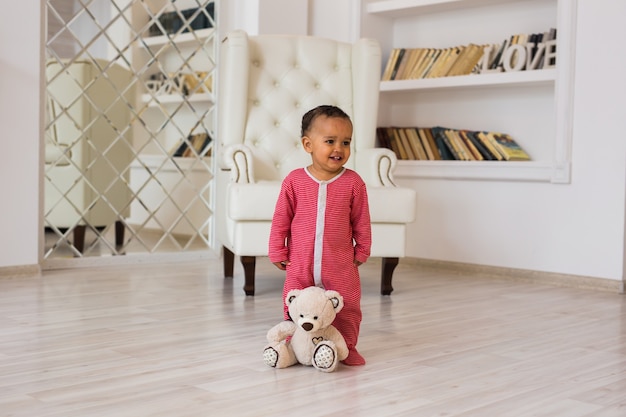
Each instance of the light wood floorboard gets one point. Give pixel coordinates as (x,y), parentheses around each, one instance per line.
(179,340)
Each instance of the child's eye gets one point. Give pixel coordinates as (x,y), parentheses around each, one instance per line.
(346,143)
(330,141)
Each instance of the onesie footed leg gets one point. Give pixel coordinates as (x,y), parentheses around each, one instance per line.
(325,356)
(354,358)
(279,355)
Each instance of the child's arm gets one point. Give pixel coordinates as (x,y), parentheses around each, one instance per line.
(280,229)
(361,225)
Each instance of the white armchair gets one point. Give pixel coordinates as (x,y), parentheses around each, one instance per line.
(267,83)
(88,147)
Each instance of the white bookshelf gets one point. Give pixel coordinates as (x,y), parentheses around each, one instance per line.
(534,106)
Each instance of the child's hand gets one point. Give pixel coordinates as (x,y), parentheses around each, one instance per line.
(282,265)
(358,263)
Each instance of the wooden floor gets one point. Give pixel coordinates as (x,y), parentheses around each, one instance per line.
(178,340)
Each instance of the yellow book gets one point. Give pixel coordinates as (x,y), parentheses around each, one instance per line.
(398,141)
(391,62)
(452,57)
(459,147)
(438,63)
(431,60)
(427,135)
(416,144)
(407,63)
(470,145)
(487,141)
(419,67)
(510,150)
(419,54)
(406,143)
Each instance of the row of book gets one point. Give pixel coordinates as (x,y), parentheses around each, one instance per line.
(197,144)
(417,63)
(441,143)
(188,19)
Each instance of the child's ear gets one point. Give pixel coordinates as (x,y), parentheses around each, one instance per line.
(306,143)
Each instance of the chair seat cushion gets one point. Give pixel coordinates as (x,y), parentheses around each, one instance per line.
(257,201)
(391,204)
(252,201)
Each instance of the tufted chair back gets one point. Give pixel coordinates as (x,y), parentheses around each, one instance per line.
(267,83)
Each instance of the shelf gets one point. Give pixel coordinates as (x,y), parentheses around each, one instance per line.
(404,8)
(535,77)
(155,101)
(535,171)
(167,164)
(180,39)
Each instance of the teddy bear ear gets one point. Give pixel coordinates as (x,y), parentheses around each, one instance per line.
(291,295)
(336,299)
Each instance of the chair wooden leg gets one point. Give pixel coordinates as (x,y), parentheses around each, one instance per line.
(388,266)
(119,233)
(249,263)
(229,262)
(79,237)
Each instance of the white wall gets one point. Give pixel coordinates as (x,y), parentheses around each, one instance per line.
(19,117)
(571,229)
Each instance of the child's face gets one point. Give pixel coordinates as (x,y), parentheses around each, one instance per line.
(328,142)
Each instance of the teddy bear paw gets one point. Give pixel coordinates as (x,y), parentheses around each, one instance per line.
(270,357)
(324,358)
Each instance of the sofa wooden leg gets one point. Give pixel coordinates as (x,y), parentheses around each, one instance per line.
(388,266)
(79,237)
(229,262)
(249,263)
(119,233)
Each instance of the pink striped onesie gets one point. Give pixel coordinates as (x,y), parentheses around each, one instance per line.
(321,227)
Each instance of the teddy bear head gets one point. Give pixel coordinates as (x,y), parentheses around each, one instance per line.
(313,308)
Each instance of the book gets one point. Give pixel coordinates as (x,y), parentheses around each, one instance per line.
(406,57)
(476,154)
(416,144)
(383,140)
(418,55)
(427,136)
(397,63)
(509,148)
(465,64)
(460,148)
(471,136)
(427,62)
(450,60)
(419,67)
(425,145)
(406,144)
(487,141)
(396,146)
(410,57)
(444,145)
(433,58)
(438,63)
(391,62)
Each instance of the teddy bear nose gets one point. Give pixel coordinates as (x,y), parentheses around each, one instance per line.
(307,326)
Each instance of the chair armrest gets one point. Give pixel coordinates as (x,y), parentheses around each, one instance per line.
(376,166)
(238,160)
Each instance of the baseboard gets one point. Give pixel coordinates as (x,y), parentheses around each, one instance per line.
(20,271)
(539,277)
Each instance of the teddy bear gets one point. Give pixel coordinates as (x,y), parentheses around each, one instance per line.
(310,339)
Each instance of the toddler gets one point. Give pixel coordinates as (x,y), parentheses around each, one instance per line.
(321,228)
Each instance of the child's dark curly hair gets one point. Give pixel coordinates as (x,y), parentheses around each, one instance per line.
(323,110)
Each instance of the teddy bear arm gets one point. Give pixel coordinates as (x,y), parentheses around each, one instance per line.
(281,331)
